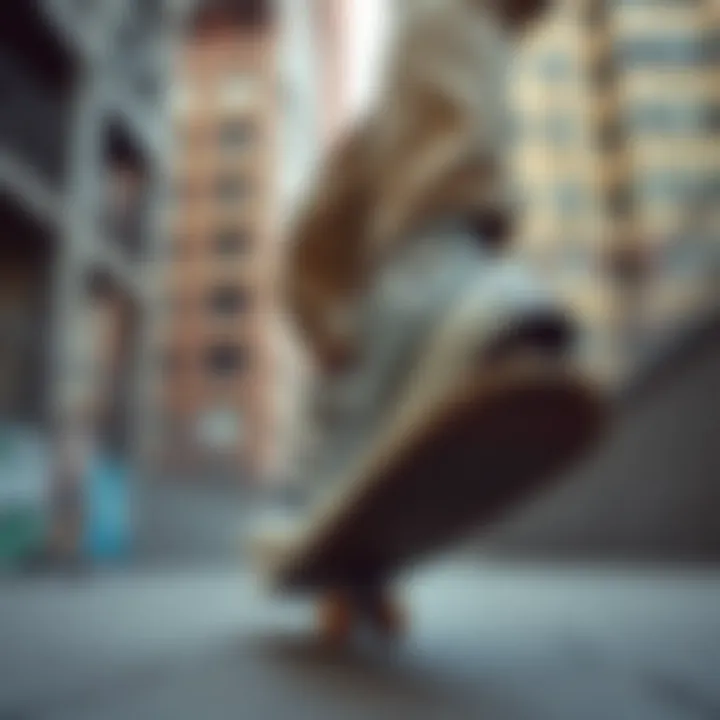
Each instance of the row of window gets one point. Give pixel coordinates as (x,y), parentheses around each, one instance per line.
(685,187)
(225,189)
(664,118)
(679,51)
(671,52)
(674,186)
(224,360)
(226,244)
(569,198)
(680,256)
(224,301)
(564,131)
(230,136)
(235,90)
(689,51)
(648,119)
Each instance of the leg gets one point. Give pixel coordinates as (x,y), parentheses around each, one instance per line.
(388,617)
(383,612)
(337,616)
(342,612)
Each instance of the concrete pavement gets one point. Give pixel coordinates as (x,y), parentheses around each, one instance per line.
(487,642)
(190,523)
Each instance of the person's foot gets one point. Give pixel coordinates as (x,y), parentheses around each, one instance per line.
(442,311)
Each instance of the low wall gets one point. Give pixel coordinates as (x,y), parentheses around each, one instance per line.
(652,491)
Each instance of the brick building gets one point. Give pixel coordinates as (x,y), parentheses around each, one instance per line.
(217,358)
(259,94)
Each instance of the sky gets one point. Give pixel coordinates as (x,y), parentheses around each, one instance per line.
(368,34)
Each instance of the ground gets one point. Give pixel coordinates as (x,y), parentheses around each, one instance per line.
(487,641)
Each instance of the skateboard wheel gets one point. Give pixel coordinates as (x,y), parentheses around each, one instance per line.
(337,618)
(388,617)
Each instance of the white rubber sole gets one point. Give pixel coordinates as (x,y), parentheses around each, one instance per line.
(447,388)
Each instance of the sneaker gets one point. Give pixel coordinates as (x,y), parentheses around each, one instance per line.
(451,334)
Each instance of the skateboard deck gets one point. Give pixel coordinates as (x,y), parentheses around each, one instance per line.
(493,442)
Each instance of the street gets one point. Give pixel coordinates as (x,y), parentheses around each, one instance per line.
(231,227)
(490,641)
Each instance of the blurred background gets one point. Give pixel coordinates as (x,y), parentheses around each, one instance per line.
(151,154)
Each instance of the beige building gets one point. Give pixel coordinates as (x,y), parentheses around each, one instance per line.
(618,154)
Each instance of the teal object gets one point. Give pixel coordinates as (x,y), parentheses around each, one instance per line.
(22,532)
(107,518)
(24,482)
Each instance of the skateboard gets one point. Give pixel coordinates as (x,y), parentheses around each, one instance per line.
(492,443)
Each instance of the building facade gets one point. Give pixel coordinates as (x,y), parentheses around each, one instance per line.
(217,356)
(619,161)
(82,167)
(260,95)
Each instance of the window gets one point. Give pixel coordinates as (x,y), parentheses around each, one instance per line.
(231,189)
(225,360)
(560,130)
(677,51)
(236,135)
(231,242)
(228,300)
(238,91)
(576,258)
(249,15)
(555,66)
(681,186)
(672,118)
(689,255)
(570,198)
